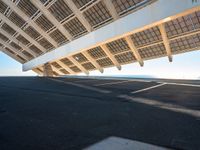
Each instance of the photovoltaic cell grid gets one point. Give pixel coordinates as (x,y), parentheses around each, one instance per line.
(23,60)
(44,1)
(60,10)
(16,46)
(75,69)
(80,58)
(27,54)
(35,49)
(152,51)
(183,24)
(75,27)
(123,6)
(185,43)
(58,37)
(3,37)
(95,11)
(126,57)
(118,46)
(22,39)
(9,50)
(146,37)
(16,19)
(88,66)
(27,7)
(55,64)
(143,40)
(8,29)
(44,23)
(81,3)
(97,14)
(46,44)
(3,7)
(66,61)
(32,32)
(64,71)
(97,52)
(105,62)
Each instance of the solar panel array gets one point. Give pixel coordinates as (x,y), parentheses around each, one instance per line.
(24,16)
(182,36)
(26,32)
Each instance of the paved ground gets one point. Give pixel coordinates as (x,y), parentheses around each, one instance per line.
(74,113)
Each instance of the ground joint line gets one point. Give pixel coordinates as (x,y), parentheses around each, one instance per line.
(149,88)
(83,86)
(111,83)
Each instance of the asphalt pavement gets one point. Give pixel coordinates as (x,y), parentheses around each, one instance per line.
(74,113)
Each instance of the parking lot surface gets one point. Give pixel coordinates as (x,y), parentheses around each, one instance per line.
(74,113)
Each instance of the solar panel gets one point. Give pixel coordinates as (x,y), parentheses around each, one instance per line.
(105,62)
(27,7)
(80,58)
(96,52)
(75,27)
(97,15)
(126,57)
(118,46)
(60,10)
(152,51)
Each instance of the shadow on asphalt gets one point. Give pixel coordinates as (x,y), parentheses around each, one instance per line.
(79,118)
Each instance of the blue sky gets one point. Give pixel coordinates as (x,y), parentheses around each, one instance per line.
(184,66)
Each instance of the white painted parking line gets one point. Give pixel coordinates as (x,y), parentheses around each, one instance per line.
(118,143)
(82,86)
(118,82)
(111,83)
(182,84)
(149,88)
(168,106)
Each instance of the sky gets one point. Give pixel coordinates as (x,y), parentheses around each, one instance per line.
(184,66)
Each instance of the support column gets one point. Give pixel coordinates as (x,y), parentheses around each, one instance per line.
(48,72)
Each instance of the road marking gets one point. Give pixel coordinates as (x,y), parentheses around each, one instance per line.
(167,106)
(118,143)
(183,84)
(112,83)
(149,88)
(82,86)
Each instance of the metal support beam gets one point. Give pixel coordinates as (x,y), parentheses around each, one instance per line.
(57,70)
(165,41)
(65,67)
(111,8)
(20,31)
(79,15)
(134,50)
(37,71)
(57,24)
(74,61)
(93,61)
(112,58)
(48,71)
(24,47)
(30,22)
(10,47)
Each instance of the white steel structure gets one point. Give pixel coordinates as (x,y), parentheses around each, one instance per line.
(60,37)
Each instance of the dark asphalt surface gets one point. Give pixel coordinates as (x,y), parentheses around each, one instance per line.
(41,114)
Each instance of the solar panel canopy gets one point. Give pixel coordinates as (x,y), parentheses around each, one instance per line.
(33,29)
